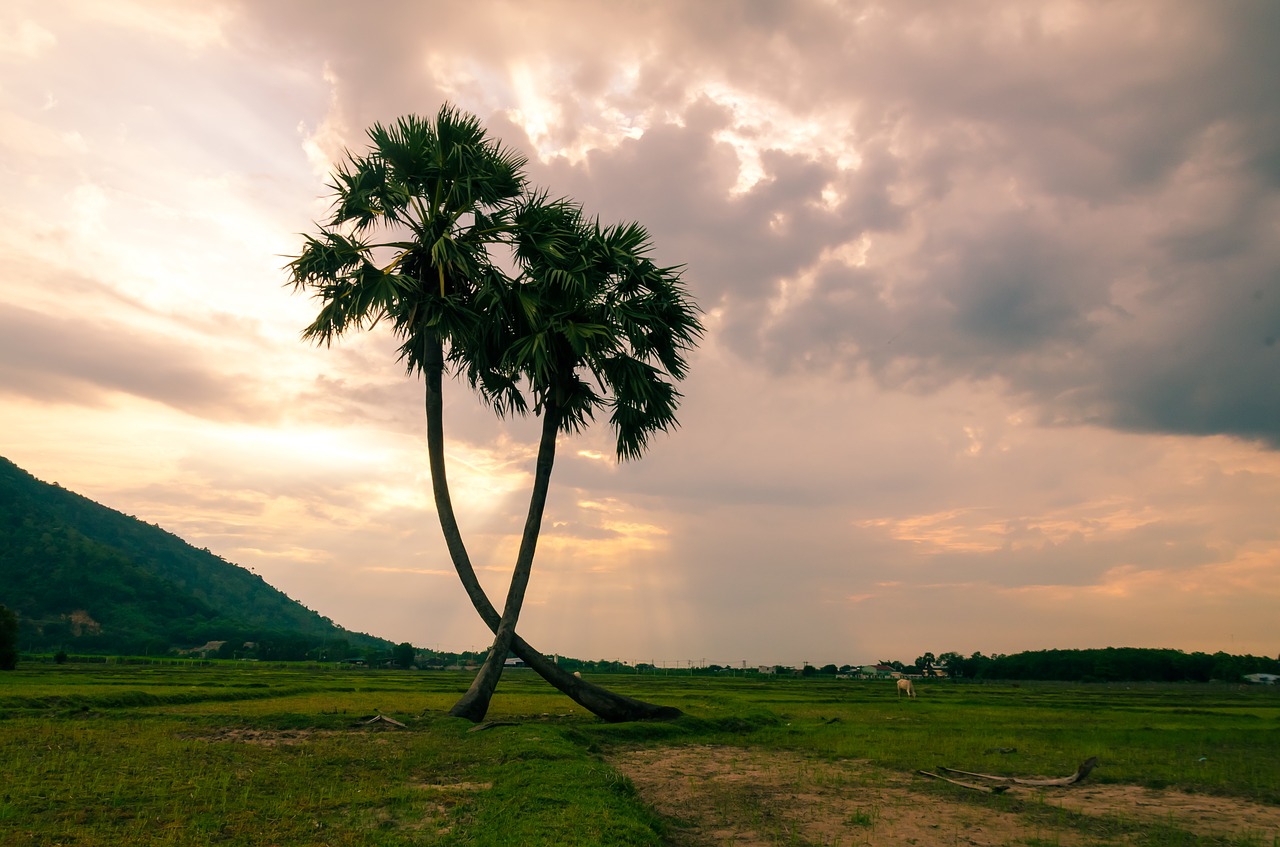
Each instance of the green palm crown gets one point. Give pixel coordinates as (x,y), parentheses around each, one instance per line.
(584,320)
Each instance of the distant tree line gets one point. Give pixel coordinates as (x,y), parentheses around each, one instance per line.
(1111,664)
(1103,665)
(286,647)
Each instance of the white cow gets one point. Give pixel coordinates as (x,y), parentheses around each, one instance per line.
(904,685)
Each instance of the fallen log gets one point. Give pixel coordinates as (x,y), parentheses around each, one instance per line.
(986,789)
(1081,772)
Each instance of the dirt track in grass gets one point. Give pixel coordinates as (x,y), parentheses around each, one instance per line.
(714,795)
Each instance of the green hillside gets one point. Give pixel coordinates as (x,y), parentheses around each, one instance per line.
(88,579)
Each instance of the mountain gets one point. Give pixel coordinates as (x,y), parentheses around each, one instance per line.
(86,578)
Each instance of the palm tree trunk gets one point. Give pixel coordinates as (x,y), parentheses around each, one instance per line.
(475,703)
(599,701)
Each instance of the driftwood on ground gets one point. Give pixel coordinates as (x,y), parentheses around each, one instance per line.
(1081,772)
(1003,783)
(987,789)
(382,719)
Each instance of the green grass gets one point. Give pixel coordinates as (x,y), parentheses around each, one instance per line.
(273,755)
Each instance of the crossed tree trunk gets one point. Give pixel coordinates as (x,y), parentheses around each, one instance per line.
(599,701)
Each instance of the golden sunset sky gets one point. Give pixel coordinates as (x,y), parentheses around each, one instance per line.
(992,293)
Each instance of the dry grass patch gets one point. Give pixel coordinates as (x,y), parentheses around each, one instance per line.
(1200,814)
(713,795)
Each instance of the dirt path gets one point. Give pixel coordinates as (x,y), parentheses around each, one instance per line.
(730,796)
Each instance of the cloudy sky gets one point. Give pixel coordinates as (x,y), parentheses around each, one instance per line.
(992,294)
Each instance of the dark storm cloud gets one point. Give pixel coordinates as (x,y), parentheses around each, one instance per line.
(1128,121)
(1111,130)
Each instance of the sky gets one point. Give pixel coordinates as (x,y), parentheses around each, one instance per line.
(991,289)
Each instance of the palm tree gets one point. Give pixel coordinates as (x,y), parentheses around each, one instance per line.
(588,311)
(442,195)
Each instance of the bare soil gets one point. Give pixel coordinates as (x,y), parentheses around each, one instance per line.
(714,795)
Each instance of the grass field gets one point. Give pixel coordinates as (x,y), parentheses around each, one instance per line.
(272,755)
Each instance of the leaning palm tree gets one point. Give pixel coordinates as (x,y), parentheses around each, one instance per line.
(409,242)
(591,323)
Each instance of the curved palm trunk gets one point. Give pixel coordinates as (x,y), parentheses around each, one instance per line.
(475,703)
(599,701)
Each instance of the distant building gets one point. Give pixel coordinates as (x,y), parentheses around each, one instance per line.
(514,663)
(1263,678)
(877,672)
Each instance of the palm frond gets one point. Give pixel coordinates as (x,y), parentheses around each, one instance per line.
(588,320)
